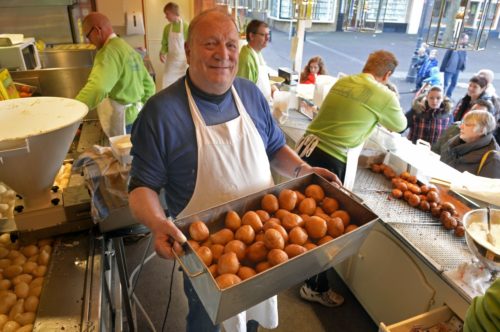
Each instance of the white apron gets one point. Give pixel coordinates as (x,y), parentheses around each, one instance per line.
(263,82)
(176,63)
(112,116)
(232,162)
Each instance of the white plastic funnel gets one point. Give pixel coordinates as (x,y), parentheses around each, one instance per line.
(35,135)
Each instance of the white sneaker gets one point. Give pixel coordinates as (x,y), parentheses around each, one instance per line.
(328,298)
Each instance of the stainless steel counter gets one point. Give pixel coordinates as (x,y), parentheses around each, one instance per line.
(55,82)
(71,298)
(423,234)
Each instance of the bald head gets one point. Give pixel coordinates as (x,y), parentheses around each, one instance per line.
(97,28)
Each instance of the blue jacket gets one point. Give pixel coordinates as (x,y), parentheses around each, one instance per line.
(424,71)
(453,61)
(434,78)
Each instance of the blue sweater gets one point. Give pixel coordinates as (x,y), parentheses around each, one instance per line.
(164,139)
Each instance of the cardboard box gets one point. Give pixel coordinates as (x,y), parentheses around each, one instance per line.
(425,320)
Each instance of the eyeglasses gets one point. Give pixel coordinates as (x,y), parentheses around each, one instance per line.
(265,35)
(88,33)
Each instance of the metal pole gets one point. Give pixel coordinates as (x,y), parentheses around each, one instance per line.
(412,71)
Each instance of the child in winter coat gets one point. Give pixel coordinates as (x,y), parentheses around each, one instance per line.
(430,116)
(435,78)
(424,71)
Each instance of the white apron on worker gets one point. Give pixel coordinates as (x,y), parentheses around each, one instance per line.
(232,162)
(112,116)
(176,63)
(263,82)
(352,166)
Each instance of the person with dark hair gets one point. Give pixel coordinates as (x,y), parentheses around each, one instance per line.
(207,139)
(251,64)
(315,66)
(351,110)
(474,149)
(476,90)
(172,45)
(453,63)
(118,74)
(489,75)
(429,116)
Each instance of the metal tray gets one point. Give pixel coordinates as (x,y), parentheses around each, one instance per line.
(223,304)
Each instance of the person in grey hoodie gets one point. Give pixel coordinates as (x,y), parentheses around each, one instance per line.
(474,150)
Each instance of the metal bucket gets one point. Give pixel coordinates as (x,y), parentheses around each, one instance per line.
(478,245)
(223,304)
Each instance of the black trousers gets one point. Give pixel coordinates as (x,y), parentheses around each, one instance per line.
(319,158)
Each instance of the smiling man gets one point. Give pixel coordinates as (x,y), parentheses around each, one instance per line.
(207,139)
(251,62)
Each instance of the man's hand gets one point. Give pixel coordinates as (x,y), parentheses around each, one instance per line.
(163,57)
(168,237)
(323,172)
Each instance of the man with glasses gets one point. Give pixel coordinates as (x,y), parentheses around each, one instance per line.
(118,73)
(251,64)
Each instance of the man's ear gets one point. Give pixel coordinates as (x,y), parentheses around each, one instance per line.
(386,76)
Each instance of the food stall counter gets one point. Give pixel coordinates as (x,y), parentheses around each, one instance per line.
(432,253)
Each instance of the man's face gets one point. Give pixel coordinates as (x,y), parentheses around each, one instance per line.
(171,17)
(212,54)
(93,34)
(259,39)
(464,40)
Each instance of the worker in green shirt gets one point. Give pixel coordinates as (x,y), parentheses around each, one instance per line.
(354,106)
(172,45)
(483,314)
(251,64)
(118,74)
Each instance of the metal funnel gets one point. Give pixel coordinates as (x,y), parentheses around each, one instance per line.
(35,135)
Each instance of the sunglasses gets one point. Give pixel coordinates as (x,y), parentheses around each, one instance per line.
(88,33)
(263,34)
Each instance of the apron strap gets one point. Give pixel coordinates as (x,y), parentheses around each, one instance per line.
(306,145)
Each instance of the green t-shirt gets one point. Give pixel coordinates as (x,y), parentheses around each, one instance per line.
(248,66)
(351,110)
(176,27)
(118,73)
(483,314)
